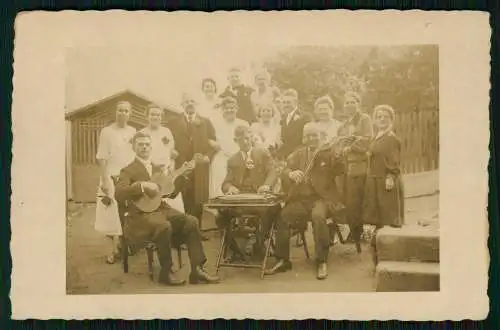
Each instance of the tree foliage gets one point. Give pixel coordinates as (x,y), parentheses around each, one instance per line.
(405,77)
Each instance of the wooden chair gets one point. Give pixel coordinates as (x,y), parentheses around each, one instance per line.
(149,247)
(301,239)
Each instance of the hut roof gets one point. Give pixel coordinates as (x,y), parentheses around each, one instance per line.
(89,107)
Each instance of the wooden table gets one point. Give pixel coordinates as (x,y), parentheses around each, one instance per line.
(245,210)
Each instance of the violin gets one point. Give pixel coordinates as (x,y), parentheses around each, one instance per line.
(309,166)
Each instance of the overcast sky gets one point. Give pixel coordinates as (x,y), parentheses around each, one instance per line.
(159,73)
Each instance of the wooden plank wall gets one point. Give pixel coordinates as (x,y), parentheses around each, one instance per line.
(418,131)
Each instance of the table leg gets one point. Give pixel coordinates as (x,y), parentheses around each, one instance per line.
(222,250)
(266,254)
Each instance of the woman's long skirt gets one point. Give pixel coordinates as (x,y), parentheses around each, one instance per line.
(382,207)
(218,171)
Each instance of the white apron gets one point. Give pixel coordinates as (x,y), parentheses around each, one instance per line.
(107,217)
(225,139)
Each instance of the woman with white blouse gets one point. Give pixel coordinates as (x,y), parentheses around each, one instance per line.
(209,104)
(114,152)
(267,131)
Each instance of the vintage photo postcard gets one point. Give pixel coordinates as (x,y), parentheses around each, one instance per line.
(267,165)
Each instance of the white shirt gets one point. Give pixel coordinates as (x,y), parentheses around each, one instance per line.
(247,155)
(115,147)
(162,144)
(190,118)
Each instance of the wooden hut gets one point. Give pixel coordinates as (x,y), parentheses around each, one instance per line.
(83,127)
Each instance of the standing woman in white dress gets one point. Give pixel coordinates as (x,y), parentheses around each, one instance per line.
(210,101)
(162,147)
(267,131)
(224,130)
(114,152)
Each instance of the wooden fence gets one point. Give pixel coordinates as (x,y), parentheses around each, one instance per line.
(418,131)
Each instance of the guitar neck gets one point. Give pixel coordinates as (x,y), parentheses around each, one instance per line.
(178,172)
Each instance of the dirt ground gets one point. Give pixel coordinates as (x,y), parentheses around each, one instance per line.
(88,274)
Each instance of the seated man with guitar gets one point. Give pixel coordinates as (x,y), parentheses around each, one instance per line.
(142,186)
(309,181)
(250,170)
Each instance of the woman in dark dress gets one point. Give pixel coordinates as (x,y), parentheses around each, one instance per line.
(384,198)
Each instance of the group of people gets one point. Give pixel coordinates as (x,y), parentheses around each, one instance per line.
(250,140)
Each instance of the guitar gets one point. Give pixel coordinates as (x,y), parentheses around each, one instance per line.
(167,184)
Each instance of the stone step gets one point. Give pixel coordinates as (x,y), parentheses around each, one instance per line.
(408,243)
(407,276)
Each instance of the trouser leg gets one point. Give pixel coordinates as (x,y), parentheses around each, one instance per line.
(162,237)
(354,190)
(294,214)
(321,233)
(185,230)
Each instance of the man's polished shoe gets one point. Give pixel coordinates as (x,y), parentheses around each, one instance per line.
(322,272)
(199,275)
(169,278)
(281,266)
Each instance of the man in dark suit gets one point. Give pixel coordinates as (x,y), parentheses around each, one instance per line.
(292,123)
(250,170)
(164,224)
(242,94)
(310,197)
(194,138)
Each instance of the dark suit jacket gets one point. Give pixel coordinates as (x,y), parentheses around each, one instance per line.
(192,139)
(264,172)
(326,167)
(291,134)
(245,107)
(127,190)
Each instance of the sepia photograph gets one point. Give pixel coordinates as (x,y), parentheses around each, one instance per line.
(260,165)
(305,168)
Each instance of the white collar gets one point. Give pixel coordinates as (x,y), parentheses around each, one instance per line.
(190,117)
(246,153)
